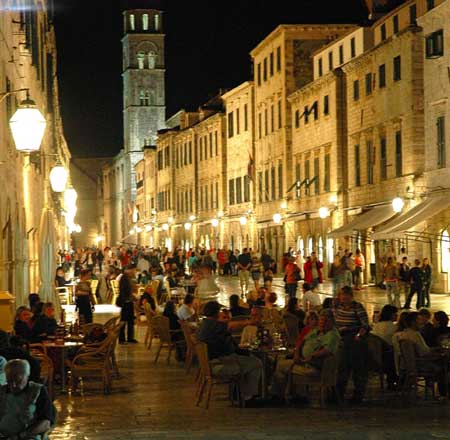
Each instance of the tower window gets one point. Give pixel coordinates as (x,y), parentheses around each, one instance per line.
(157,22)
(132,22)
(353,47)
(341,54)
(145,22)
(151,60)
(140,59)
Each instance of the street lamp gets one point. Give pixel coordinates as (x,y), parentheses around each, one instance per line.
(165,227)
(243,220)
(70,197)
(138,229)
(148,228)
(188,226)
(192,217)
(27,126)
(58,177)
(215,222)
(324,212)
(398,204)
(220,214)
(277,218)
(132,231)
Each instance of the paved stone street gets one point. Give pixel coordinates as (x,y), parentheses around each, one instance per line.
(157,402)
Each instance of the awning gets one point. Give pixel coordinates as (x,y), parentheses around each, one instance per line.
(369,219)
(421,212)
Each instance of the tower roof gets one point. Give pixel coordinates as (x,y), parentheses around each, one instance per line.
(143,4)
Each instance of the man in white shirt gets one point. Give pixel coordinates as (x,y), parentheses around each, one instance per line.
(186,311)
(143,264)
(310,299)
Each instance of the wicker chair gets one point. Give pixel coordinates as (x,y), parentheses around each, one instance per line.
(64,294)
(325,379)
(207,379)
(94,362)
(115,291)
(39,351)
(151,332)
(161,326)
(377,347)
(190,345)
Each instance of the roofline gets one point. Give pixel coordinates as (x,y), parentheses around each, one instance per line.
(237,89)
(332,42)
(301,26)
(389,14)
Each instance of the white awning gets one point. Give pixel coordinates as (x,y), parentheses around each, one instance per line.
(369,219)
(404,222)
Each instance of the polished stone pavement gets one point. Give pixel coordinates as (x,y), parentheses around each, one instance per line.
(157,402)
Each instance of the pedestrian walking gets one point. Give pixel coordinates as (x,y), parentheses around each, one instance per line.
(427,273)
(416,279)
(390,276)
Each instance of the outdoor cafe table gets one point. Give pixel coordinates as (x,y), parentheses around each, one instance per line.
(189,285)
(264,354)
(62,348)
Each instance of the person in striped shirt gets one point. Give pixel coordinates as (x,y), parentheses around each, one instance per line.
(353,324)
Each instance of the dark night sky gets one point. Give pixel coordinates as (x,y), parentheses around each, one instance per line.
(207,48)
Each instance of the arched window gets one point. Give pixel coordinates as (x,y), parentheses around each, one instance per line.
(445,252)
(147,98)
(301,246)
(310,245)
(330,250)
(132,22)
(151,60)
(145,22)
(320,249)
(140,59)
(156,19)
(141,97)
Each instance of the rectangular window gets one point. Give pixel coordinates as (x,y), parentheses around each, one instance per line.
(211,153)
(280,181)
(383,159)
(132,22)
(370,160)
(272,118)
(246,189)
(145,22)
(398,154)
(326,179)
(356,90)
(230,124)
(272,184)
(307,177)
(412,14)
(440,126)
(320,67)
(383,32)
(231,191)
(279,114)
(330,60)
(190,152)
(266,125)
(278,59)
(306,114)
(245,117)
(382,76)
(205,146)
(190,201)
(434,44)
(297,118)
(260,186)
(357,166)
(217,195)
(186,158)
(316,176)
(266,186)
(238,127)
(259,125)
(353,47)
(206,197)
(395,23)
(271,64)
(258,70)
(397,68)
(326,105)
(201,147)
(265,69)
(316,110)
(215,143)
(297,180)
(239,190)
(341,54)
(430,4)
(368,83)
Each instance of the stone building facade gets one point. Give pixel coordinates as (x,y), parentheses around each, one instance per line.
(28,61)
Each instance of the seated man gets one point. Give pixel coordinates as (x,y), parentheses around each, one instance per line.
(317,345)
(250,331)
(186,312)
(236,309)
(26,411)
(222,350)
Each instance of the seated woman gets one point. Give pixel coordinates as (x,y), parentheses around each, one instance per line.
(250,331)
(174,325)
(22,323)
(318,344)
(270,312)
(236,309)
(143,278)
(49,312)
(39,324)
(441,329)
(385,327)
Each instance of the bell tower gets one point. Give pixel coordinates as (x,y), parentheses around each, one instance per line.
(144,110)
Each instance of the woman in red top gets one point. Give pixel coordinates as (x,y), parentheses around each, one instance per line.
(313,271)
